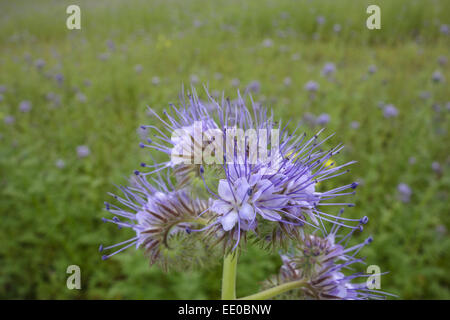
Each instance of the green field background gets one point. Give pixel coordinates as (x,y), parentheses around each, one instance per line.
(133,54)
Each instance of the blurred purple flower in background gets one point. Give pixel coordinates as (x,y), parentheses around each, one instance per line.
(328,69)
(156,81)
(311,86)
(83,151)
(354,125)
(323,119)
(320,20)
(60,164)
(436,167)
(254,86)
(25,106)
(437,76)
(9,120)
(337,28)
(39,64)
(390,111)
(59,78)
(405,192)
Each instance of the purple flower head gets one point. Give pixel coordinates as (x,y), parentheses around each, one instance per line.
(235,82)
(267,43)
(9,119)
(59,78)
(337,28)
(322,263)
(311,86)
(437,77)
(2,88)
(25,106)
(83,151)
(111,45)
(320,20)
(436,167)
(390,111)
(323,119)
(156,81)
(354,125)
(328,69)
(445,29)
(405,192)
(254,87)
(442,60)
(39,64)
(156,214)
(60,163)
(372,69)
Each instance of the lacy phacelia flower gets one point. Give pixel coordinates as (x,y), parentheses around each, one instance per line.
(320,263)
(157,215)
(273,195)
(182,138)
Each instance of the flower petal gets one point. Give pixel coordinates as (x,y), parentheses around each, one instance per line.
(247,212)
(228,221)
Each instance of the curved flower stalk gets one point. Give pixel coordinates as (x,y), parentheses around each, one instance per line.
(162,219)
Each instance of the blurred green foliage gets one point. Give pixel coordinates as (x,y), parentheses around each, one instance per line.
(51,216)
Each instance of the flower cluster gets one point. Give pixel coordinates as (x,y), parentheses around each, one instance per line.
(232,173)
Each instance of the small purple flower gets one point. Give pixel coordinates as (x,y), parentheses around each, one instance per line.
(311,86)
(194,79)
(138,68)
(2,88)
(111,45)
(254,86)
(103,56)
(60,164)
(372,69)
(83,151)
(9,120)
(59,78)
(442,60)
(445,29)
(267,43)
(156,81)
(329,69)
(323,119)
(39,64)
(390,111)
(436,167)
(81,97)
(337,28)
(437,77)
(25,106)
(287,81)
(320,20)
(354,125)
(412,160)
(405,192)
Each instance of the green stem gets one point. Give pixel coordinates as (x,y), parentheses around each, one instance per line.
(229,276)
(272,292)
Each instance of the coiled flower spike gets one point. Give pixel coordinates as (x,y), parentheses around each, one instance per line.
(157,215)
